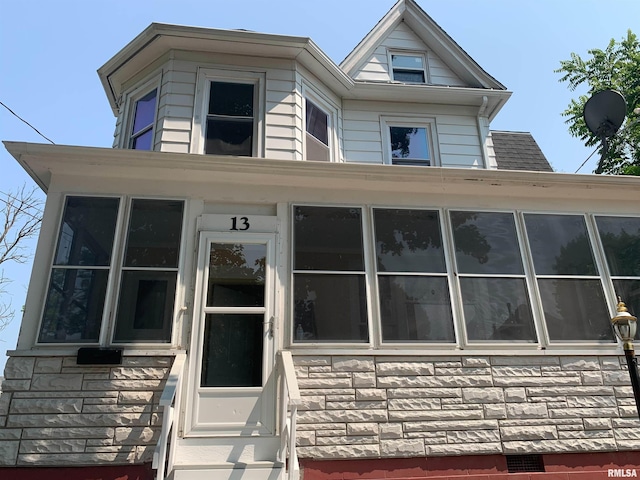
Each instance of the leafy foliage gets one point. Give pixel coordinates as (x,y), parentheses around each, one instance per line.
(617,67)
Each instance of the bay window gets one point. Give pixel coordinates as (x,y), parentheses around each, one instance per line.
(144,114)
(86,277)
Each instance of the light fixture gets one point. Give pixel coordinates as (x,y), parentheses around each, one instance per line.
(625,326)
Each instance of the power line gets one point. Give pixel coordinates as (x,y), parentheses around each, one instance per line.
(27,205)
(22,119)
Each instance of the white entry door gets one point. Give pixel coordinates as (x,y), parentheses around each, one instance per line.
(232,352)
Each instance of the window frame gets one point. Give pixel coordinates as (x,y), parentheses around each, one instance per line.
(409,53)
(541,343)
(131,103)
(428,123)
(115,272)
(367,274)
(331,110)
(205,77)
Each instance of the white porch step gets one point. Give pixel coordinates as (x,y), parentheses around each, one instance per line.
(230,471)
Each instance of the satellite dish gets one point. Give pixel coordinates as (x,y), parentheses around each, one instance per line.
(604,113)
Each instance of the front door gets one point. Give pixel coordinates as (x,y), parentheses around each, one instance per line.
(233,389)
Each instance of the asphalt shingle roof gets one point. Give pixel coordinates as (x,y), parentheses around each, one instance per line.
(518,151)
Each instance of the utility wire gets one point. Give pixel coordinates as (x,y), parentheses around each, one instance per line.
(586,160)
(22,119)
(22,210)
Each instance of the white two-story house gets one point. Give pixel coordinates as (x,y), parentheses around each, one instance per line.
(290,266)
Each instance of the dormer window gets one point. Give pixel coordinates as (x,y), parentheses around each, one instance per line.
(144,115)
(408,68)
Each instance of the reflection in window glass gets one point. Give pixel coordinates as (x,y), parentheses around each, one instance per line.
(149,273)
(317,136)
(629,291)
(620,238)
(497,309)
(143,117)
(328,238)
(330,308)
(415,309)
(408,241)
(87,231)
(232,355)
(486,243)
(74,306)
(409,146)
(236,275)
(560,245)
(408,68)
(230,119)
(495,298)
(575,309)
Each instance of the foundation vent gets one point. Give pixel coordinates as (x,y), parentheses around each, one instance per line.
(524,463)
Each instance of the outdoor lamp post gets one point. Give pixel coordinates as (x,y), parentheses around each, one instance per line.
(625,326)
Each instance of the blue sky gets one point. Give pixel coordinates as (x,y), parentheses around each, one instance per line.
(50,51)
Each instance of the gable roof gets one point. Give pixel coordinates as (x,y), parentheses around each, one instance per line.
(518,151)
(409,12)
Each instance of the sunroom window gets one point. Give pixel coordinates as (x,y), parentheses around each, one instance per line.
(329,275)
(408,68)
(620,238)
(492,280)
(83,281)
(144,114)
(570,287)
(415,304)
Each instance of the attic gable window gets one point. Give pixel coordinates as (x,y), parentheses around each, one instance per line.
(143,119)
(408,68)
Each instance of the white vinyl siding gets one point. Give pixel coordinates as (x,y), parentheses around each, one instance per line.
(175,113)
(456,138)
(402,38)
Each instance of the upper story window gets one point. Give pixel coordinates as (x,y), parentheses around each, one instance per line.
(410,146)
(317,133)
(408,68)
(228,113)
(86,282)
(144,114)
(230,119)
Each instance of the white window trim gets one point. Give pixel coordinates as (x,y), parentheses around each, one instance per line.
(541,346)
(107,323)
(201,103)
(428,123)
(328,107)
(409,53)
(131,98)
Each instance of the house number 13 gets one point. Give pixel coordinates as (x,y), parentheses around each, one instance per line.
(242,225)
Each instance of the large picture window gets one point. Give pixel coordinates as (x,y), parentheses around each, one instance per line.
(83,277)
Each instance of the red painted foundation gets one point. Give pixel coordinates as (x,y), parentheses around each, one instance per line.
(116,472)
(578,466)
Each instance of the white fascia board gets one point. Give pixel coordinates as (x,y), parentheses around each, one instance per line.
(42,161)
(158,39)
(431,94)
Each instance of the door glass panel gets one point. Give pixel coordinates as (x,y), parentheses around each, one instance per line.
(236,275)
(232,350)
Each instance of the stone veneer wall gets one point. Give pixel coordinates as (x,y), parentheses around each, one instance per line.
(55,412)
(380,406)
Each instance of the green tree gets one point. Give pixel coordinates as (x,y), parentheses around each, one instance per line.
(617,67)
